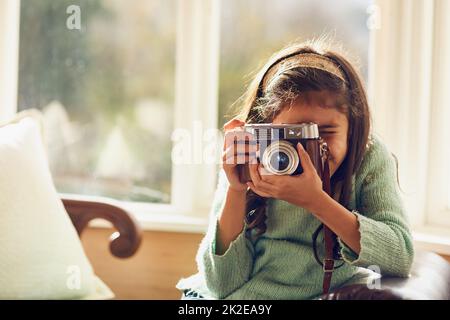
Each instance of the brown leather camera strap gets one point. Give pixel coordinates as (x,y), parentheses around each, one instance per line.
(329,236)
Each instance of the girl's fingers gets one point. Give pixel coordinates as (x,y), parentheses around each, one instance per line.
(234,156)
(305,160)
(233,123)
(235,159)
(254,174)
(264,174)
(239,138)
(258,182)
(242,148)
(269,178)
(258,191)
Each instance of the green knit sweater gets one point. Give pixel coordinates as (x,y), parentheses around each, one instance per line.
(280,264)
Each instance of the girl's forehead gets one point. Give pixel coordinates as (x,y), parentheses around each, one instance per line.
(300,112)
(323,98)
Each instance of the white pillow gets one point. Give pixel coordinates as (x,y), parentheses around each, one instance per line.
(41,256)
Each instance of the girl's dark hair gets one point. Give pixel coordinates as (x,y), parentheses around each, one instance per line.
(277,85)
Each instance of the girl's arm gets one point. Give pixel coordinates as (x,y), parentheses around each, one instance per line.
(231,220)
(340,220)
(225,255)
(377,234)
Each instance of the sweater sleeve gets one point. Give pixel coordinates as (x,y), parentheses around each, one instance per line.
(225,273)
(386,241)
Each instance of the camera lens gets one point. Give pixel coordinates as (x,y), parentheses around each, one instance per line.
(280,158)
(279,161)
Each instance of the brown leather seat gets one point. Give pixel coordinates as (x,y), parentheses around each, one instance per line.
(429,279)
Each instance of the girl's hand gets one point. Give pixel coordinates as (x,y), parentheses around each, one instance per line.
(304,190)
(237,149)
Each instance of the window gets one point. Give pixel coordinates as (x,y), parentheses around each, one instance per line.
(114,91)
(252,30)
(410,100)
(106,91)
(438,191)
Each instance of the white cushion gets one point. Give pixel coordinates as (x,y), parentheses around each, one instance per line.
(41,256)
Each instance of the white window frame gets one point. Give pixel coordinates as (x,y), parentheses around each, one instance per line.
(196,95)
(408,96)
(9,56)
(439,172)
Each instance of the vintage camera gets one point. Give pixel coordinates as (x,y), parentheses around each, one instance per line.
(277,148)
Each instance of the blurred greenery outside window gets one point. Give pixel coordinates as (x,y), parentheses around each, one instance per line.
(252,30)
(107,90)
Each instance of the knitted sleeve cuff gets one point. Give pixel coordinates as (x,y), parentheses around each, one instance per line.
(229,271)
(379,248)
(373,239)
(348,255)
(234,245)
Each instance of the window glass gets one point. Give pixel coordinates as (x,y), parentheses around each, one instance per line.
(103,74)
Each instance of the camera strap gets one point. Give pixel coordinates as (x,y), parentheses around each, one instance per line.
(329,236)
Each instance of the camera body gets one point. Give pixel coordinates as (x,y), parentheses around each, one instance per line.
(277,148)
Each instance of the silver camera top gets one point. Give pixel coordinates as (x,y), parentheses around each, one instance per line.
(269,131)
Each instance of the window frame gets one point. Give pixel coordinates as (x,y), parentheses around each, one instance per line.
(438,205)
(9,56)
(407,96)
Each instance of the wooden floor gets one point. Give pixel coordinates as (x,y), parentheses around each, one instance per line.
(152,273)
(163,258)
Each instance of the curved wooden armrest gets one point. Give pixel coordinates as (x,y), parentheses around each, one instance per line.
(123,243)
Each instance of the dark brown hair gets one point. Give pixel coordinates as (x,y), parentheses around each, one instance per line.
(267,95)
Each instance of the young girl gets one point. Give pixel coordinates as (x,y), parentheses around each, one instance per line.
(260,242)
